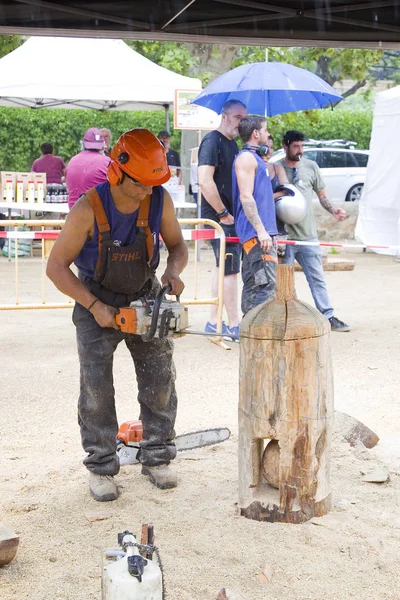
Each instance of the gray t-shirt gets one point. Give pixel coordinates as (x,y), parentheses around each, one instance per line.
(308,180)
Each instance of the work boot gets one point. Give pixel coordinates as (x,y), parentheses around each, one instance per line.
(337,325)
(103,487)
(161,476)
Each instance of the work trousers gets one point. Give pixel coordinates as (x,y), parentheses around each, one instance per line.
(258,275)
(309,258)
(155,375)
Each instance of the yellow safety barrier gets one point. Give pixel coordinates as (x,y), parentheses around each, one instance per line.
(44,234)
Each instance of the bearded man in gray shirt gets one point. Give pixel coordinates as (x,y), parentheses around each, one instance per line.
(306,176)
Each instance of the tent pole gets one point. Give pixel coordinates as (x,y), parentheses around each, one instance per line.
(167,123)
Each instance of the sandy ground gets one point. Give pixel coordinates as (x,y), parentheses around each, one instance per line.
(353,552)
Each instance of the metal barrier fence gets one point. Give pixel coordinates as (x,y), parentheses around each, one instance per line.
(49,236)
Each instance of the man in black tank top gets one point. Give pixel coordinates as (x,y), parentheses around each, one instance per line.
(216,155)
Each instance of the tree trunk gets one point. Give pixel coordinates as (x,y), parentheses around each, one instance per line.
(211,60)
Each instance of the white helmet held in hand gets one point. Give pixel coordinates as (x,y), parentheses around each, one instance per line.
(291,208)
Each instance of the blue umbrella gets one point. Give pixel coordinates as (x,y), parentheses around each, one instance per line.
(268,88)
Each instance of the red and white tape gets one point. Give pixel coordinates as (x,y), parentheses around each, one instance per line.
(30,235)
(199,234)
(211,234)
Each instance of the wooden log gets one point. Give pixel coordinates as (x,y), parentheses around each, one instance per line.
(333,264)
(270,463)
(286,395)
(351,430)
(8,545)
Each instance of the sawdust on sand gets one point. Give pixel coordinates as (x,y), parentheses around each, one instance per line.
(353,552)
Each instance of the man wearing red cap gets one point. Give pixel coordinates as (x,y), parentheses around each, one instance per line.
(88,168)
(112,235)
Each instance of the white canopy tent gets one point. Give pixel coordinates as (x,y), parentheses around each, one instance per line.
(66,72)
(379,213)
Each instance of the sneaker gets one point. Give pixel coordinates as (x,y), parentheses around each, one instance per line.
(103,487)
(209,328)
(161,476)
(232,334)
(337,325)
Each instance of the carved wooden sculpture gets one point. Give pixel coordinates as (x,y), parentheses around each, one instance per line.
(285,409)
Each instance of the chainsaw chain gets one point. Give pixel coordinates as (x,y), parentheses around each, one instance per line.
(149,549)
(164,591)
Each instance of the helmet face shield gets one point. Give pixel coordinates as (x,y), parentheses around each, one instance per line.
(141,156)
(291,208)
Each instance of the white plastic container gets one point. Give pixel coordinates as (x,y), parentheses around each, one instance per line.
(40,192)
(20,190)
(118,582)
(9,190)
(31,191)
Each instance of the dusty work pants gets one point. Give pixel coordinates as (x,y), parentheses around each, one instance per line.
(155,375)
(258,275)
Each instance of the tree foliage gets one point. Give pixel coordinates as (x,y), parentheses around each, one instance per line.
(27,129)
(8,43)
(170,55)
(325,125)
(207,61)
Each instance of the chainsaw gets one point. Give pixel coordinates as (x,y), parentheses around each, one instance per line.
(130,435)
(157,318)
(154,318)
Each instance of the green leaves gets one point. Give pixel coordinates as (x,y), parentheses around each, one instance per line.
(170,55)
(8,43)
(27,129)
(325,125)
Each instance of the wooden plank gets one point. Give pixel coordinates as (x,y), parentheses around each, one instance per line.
(333,264)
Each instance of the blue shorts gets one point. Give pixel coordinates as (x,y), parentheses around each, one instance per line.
(233,250)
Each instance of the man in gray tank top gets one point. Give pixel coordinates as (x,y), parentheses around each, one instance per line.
(306,176)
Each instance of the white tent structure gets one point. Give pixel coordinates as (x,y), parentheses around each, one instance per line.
(379,212)
(102,74)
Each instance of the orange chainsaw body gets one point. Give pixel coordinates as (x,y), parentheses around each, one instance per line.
(130,431)
(168,319)
(127,319)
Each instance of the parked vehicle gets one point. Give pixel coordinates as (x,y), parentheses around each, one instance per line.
(343,167)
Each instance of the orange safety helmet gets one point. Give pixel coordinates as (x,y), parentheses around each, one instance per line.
(140,155)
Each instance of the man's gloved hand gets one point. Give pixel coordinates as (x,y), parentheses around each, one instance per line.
(175,282)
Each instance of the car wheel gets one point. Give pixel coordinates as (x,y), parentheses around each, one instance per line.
(354,193)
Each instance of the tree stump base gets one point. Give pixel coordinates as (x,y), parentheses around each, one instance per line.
(272,514)
(8,545)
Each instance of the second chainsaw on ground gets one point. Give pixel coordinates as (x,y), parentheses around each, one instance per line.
(130,434)
(154,318)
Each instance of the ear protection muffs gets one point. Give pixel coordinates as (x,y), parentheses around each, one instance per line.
(114,173)
(260,150)
(123,158)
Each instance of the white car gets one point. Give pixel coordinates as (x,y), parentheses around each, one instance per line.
(343,170)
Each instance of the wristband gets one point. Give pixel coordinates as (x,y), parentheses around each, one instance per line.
(224,217)
(223,213)
(93,303)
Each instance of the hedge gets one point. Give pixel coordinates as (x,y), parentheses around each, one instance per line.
(24,129)
(325,125)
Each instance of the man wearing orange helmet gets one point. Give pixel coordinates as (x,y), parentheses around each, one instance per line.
(112,235)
